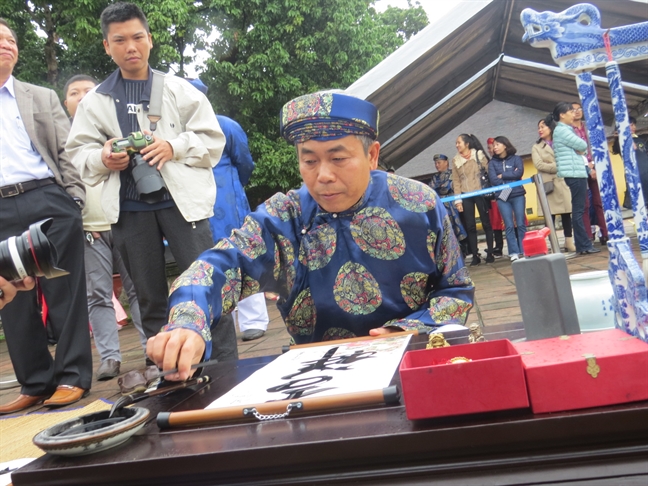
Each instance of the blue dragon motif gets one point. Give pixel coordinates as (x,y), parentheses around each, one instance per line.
(630,297)
(575,37)
(633,181)
(600,155)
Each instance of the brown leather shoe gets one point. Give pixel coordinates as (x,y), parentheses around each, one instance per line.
(65,395)
(21,403)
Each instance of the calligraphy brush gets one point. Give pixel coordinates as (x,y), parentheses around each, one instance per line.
(193,367)
(136,397)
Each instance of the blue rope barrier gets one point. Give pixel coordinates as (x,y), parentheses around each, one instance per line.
(487,190)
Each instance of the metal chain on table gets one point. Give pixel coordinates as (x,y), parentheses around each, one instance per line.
(275,416)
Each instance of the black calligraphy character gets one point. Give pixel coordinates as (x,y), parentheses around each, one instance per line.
(300,387)
(351,358)
(318,365)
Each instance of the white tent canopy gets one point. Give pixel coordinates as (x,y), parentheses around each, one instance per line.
(473,55)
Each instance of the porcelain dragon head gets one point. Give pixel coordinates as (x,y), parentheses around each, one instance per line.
(575,38)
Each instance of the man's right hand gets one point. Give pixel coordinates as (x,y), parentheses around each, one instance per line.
(114,160)
(9,289)
(179,348)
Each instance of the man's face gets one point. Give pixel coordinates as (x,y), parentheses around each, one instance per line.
(441,165)
(76,92)
(129,45)
(337,172)
(578,112)
(490,149)
(8,51)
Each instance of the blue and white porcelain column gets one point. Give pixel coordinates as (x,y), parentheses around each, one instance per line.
(628,275)
(600,155)
(629,159)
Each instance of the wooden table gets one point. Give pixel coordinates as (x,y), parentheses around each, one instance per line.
(376,446)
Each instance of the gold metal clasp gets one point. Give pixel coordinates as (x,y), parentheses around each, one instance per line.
(593,369)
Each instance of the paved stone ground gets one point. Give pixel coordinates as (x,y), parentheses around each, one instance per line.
(496,304)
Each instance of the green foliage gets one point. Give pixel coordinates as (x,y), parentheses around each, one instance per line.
(265,53)
(60,39)
(406,22)
(271,52)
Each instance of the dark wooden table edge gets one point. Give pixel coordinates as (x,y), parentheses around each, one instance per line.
(516,440)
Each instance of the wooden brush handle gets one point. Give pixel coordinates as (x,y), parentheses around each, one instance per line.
(389,395)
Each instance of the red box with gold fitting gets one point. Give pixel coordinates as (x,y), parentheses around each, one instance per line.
(585,370)
(462,379)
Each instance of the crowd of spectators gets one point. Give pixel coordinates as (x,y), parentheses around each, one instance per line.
(562,156)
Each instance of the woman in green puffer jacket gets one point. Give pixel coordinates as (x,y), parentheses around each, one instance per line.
(571,166)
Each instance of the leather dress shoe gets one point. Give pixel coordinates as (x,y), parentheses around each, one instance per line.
(590,251)
(21,403)
(65,395)
(251,334)
(108,369)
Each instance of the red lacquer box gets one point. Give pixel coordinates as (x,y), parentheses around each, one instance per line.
(493,380)
(585,370)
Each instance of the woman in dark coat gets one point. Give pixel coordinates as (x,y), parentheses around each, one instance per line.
(503,168)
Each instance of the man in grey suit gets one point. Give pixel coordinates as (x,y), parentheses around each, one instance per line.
(37,181)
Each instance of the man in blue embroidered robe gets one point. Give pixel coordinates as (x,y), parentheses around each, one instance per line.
(353,252)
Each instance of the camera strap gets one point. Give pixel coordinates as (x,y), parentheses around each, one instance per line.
(155,103)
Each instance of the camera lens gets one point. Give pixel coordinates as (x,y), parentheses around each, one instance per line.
(148,181)
(30,254)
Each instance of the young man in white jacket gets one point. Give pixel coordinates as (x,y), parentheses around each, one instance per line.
(187,143)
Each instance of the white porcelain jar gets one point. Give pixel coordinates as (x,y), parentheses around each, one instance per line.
(593,298)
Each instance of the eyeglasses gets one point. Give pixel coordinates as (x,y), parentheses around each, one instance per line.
(576,109)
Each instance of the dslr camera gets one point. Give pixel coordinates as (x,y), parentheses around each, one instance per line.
(148,180)
(30,254)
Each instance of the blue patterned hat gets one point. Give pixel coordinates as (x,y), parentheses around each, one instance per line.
(327,116)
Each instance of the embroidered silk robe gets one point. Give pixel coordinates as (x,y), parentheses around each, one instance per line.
(391,260)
